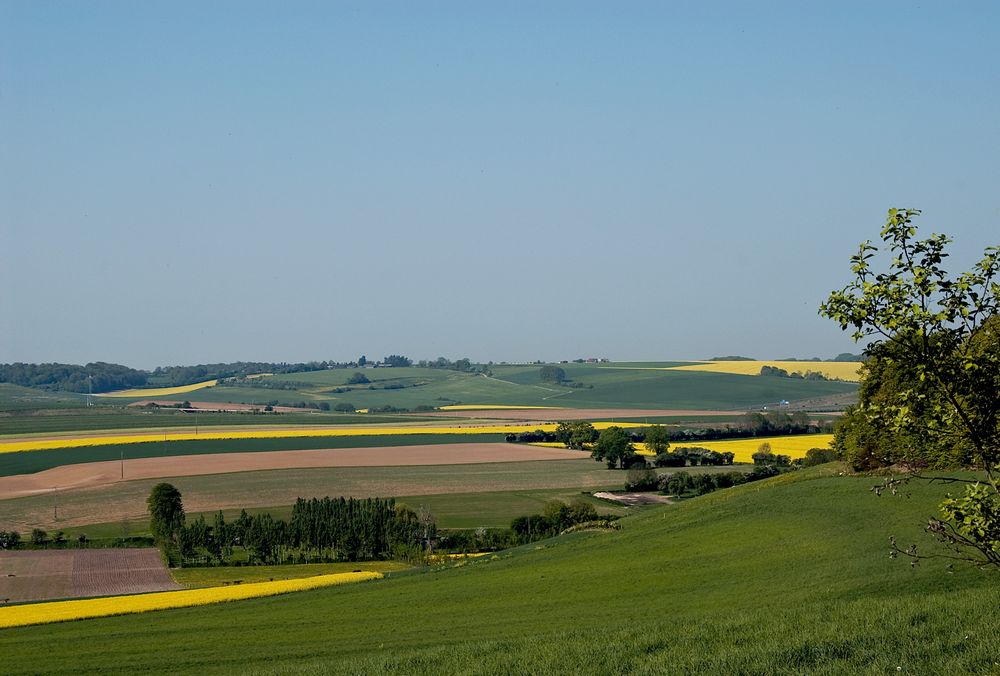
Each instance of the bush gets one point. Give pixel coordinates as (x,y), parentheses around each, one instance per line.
(669,460)
(641,479)
(344,407)
(819,456)
(358,378)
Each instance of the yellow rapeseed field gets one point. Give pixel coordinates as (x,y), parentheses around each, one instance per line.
(159,391)
(61,611)
(743,449)
(794,446)
(78,442)
(840,370)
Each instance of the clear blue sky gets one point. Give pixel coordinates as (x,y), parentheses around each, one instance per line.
(193,182)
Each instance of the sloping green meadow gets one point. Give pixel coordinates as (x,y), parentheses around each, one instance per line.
(785,576)
(601,386)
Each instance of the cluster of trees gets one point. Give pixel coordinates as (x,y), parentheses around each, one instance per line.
(175,376)
(10,539)
(556,517)
(692,455)
(782,373)
(95,376)
(104,377)
(463,365)
(774,423)
(928,395)
(344,529)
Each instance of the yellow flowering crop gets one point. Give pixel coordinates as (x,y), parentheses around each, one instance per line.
(794,446)
(841,370)
(71,442)
(160,391)
(79,609)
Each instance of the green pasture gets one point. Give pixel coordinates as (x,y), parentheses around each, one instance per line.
(110,419)
(603,386)
(17,398)
(27,462)
(786,576)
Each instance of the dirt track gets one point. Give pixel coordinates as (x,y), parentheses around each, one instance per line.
(93,474)
(575,413)
(68,573)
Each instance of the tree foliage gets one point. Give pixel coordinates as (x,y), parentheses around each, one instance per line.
(614,446)
(166,512)
(576,434)
(933,374)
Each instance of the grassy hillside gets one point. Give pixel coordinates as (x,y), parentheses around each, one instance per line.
(777,577)
(601,386)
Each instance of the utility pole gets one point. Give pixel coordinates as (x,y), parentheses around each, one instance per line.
(123,464)
(55,505)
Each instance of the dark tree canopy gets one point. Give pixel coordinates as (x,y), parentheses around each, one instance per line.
(614,446)
(166,511)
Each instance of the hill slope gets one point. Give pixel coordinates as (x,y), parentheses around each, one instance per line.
(780,576)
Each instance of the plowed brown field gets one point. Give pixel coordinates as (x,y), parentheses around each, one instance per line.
(77,573)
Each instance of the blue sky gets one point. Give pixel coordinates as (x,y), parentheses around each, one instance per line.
(192,182)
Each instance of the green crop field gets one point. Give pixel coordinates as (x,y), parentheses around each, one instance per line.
(785,576)
(601,386)
(110,419)
(17,398)
(26,462)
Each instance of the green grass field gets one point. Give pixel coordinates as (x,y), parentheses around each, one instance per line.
(17,398)
(26,462)
(604,387)
(110,419)
(785,576)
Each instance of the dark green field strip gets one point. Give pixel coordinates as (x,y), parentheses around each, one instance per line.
(27,462)
(787,576)
(118,420)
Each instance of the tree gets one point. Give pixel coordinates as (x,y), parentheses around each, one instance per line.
(552,374)
(613,446)
(358,378)
(657,439)
(933,373)
(166,512)
(39,536)
(576,434)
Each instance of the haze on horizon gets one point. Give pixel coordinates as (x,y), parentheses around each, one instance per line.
(185,183)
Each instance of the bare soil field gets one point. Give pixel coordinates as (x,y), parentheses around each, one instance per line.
(77,573)
(574,413)
(88,475)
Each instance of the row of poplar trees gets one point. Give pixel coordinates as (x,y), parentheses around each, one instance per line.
(327,529)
